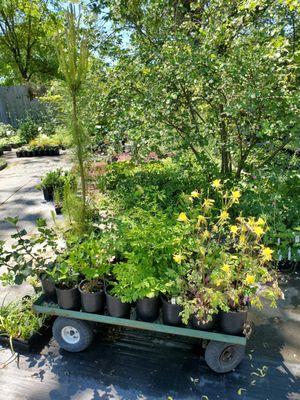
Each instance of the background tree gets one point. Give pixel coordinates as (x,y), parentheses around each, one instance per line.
(219,78)
(26,40)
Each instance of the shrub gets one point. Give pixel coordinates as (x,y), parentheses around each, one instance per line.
(160,183)
(28,129)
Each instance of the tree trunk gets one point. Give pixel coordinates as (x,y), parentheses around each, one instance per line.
(80,157)
(225,154)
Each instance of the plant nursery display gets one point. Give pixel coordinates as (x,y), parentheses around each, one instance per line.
(205,267)
(182,200)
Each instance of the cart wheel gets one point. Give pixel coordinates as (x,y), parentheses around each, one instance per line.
(72,334)
(223,357)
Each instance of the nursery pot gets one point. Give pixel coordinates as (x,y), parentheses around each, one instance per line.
(58,209)
(147,309)
(48,194)
(232,322)
(208,326)
(92,302)
(170,313)
(48,288)
(115,307)
(69,299)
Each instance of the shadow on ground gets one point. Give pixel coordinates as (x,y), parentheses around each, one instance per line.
(136,365)
(128,364)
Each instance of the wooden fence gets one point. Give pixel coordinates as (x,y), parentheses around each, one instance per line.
(14,102)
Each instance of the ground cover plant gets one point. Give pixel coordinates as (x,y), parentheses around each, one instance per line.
(18,320)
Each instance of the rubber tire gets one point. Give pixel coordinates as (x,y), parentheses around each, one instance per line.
(213,354)
(85,331)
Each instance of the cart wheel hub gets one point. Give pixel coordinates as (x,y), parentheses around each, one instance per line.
(70,334)
(227,354)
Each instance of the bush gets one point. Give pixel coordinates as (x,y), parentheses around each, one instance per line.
(6,130)
(28,129)
(161,183)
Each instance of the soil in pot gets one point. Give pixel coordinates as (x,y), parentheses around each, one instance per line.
(92,296)
(147,309)
(48,288)
(232,322)
(48,194)
(115,307)
(170,313)
(208,326)
(68,298)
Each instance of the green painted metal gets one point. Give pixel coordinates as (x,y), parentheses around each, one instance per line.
(43,308)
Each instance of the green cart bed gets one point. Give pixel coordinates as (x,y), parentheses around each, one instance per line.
(73,330)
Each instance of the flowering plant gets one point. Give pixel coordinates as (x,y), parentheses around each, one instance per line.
(228,264)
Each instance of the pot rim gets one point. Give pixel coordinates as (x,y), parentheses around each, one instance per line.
(66,290)
(166,301)
(83,292)
(235,312)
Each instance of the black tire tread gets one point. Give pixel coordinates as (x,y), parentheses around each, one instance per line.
(85,330)
(213,352)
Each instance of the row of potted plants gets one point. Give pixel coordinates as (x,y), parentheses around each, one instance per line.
(33,151)
(53,182)
(207,262)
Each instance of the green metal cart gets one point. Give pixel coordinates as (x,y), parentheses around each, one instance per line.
(74,330)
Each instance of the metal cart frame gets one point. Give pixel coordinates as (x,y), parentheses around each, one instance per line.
(223,352)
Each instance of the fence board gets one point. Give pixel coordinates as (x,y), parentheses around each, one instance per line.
(14,103)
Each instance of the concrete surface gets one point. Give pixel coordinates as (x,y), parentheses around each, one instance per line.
(18,193)
(19,197)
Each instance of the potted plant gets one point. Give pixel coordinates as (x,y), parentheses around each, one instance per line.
(115,306)
(229,267)
(20,327)
(171,290)
(66,285)
(141,277)
(90,260)
(51,181)
(30,256)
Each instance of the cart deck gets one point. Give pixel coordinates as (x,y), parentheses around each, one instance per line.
(41,306)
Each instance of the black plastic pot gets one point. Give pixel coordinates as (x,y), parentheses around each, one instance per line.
(69,299)
(116,308)
(147,309)
(170,313)
(208,326)
(48,194)
(232,322)
(58,209)
(48,289)
(92,302)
